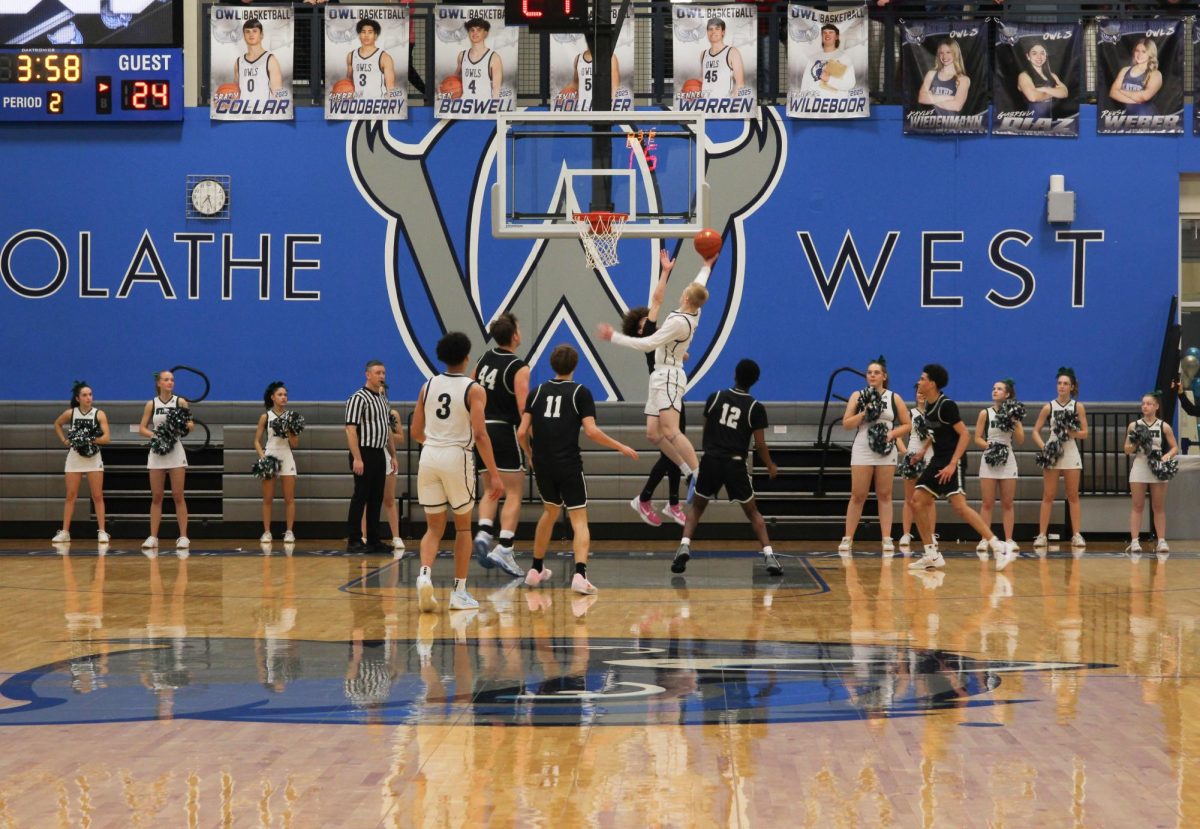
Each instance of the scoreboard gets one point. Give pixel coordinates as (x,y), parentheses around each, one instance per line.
(82,84)
(87,60)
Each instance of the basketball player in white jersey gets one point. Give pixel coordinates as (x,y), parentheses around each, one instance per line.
(449,421)
(479,68)
(585,74)
(670,344)
(368,67)
(721,69)
(257,72)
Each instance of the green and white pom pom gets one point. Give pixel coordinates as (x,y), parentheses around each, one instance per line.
(1010,413)
(1163,470)
(1048,455)
(82,437)
(877,439)
(265,468)
(288,423)
(870,401)
(996,454)
(911,467)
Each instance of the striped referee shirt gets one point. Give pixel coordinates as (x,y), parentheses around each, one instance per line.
(369,411)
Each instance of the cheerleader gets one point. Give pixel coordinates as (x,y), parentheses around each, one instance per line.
(921,450)
(172,464)
(1141,477)
(866,464)
(1003,474)
(82,413)
(1069,464)
(275,400)
(391,472)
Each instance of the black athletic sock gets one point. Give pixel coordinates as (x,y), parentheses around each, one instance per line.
(506,538)
(485,526)
(537,565)
(581,570)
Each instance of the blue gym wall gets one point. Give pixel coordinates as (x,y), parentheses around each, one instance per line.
(310,180)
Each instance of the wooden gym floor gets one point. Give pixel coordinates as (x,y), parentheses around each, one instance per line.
(243,687)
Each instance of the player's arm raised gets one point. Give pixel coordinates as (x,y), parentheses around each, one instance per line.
(477,401)
(665,264)
(597,435)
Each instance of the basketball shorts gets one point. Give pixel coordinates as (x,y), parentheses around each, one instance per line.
(561,486)
(730,473)
(505,448)
(930,483)
(446,478)
(667,386)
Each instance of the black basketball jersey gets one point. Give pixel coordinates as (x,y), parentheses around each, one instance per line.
(941,416)
(495,371)
(558,408)
(731,417)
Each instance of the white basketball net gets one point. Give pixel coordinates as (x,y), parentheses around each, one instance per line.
(600,232)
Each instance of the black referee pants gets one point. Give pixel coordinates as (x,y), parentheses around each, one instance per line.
(368,495)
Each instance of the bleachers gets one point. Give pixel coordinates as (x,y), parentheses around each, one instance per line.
(224,499)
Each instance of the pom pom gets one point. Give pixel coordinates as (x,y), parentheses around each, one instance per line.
(1065,422)
(870,401)
(288,423)
(911,466)
(265,468)
(996,454)
(168,433)
(1141,439)
(392,422)
(1163,470)
(1011,413)
(82,437)
(920,427)
(178,419)
(1049,454)
(877,439)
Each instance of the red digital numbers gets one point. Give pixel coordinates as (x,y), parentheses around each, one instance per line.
(145,95)
(544,11)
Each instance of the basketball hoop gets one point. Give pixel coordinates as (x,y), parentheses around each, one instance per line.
(600,230)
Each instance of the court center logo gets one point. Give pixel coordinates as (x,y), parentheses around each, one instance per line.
(561,681)
(395,178)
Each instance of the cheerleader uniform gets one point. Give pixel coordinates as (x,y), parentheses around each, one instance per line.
(1070,457)
(176,457)
(861,454)
(75,461)
(1139,472)
(279,448)
(1008,469)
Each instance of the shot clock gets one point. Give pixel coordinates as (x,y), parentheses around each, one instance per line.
(547,15)
(91,84)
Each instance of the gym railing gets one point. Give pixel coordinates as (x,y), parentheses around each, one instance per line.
(825,426)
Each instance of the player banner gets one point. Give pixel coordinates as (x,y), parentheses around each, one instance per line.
(571,69)
(827,63)
(1036,85)
(475,62)
(944,63)
(366,62)
(250,72)
(1139,76)
(716,59)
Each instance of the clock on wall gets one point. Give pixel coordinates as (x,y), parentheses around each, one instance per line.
(207,197)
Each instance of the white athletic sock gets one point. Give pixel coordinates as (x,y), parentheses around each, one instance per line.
(427,571)
(685,540)
(460,584)
(685,469)
(767,550)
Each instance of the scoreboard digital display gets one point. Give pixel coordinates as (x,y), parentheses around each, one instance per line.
(547,15)
(91,84)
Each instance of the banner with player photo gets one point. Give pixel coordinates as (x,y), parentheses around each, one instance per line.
(716,59)
(944,65)
(1036,86)
(475,62)
(250,71)
(1139,76)
(366,62)
(571,69)
(827,63)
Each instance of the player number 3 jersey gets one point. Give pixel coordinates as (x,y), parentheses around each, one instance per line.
(447,415)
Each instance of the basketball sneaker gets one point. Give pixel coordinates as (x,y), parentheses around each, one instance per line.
(889,548)
(482,546)
(1135,546)
(102,537)
(1039,542)
(183,542)
(905,541)
(1077,541)
(674,512)
(845,545)
(679,563)
(503,558)
(1013,547)
(425,598)
(774,568)
(645,511)
(533,578)
(982,546)
(289,537)
(1162,547)
(931,558)
(150,542)
(462,600)
(1002,553)
(265,538)
(61,537)
(580,584)
(691,487)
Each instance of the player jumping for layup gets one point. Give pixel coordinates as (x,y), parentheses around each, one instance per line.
(731,418)
(670,344)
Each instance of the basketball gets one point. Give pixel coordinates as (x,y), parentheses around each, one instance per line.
(692,86)
(452,86)
(708,243)
(343,87)
(227,91)
(569,91)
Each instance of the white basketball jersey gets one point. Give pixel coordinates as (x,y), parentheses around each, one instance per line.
(717,74)
(368,75)
(447,417)
(476,76)
(254,83)
(670,354)
(586,70)
(161,409)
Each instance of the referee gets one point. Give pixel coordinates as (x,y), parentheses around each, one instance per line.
(367,435)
